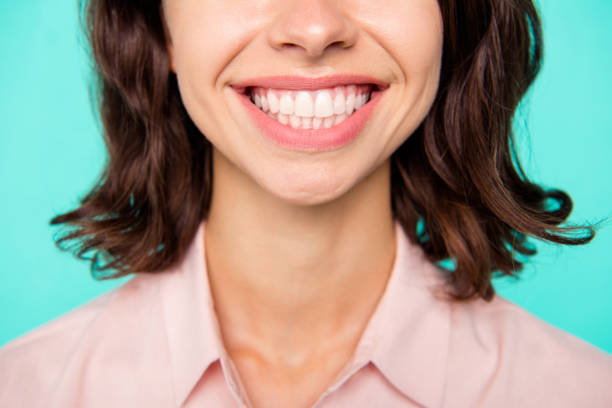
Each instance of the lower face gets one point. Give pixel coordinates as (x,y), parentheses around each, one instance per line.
(253,78)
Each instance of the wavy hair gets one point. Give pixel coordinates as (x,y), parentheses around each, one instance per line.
(458,189)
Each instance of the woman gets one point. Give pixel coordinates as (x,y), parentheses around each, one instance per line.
(287,205)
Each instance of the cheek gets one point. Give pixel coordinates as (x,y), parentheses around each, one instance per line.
(420,48)
(410,30)
(196,53)
(207,35)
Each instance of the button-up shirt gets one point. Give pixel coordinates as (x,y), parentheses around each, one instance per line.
(155,341)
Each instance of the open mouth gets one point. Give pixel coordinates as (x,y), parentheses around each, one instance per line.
(311,109)
(311,115)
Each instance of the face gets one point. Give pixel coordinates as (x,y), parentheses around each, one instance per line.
(220,50)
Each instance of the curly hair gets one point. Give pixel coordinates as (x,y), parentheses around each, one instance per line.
(458,189)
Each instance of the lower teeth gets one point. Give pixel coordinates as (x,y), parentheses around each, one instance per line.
(298,122)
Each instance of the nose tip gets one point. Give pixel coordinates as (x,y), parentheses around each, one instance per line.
(311,27)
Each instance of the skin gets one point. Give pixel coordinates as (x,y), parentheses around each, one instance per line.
(300,245)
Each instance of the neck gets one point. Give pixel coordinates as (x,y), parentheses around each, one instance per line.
(285,277)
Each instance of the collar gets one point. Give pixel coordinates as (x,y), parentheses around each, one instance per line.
(192,329)
(410,351)
(410,329)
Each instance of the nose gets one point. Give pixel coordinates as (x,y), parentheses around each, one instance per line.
(311,27)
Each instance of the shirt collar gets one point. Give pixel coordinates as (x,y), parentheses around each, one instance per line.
(194,339)
(410,351)
(409,331)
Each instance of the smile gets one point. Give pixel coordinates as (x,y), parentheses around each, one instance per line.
(310,114)
(311,109)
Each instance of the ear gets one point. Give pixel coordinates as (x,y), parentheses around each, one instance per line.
(169,46)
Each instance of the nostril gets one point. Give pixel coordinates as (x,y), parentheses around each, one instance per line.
(290,46)
(338,44)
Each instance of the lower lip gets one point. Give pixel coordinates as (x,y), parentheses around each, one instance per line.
(312,139)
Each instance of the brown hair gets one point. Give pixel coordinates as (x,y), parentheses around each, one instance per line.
(458,189)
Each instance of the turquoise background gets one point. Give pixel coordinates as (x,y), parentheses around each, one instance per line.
(51,152)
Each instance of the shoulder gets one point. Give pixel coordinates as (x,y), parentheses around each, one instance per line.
(513,327)
(507,352)
(31,363)
(38,362)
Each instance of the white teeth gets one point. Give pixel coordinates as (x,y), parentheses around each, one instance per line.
(264,104)
(339,119)
(328,122)
(306,123)
(350,104)
(303,104)
(286,105)
(360,101)
(273,102)
(284,119)
(298,110)
(339,102)
(295,121)
(323,105)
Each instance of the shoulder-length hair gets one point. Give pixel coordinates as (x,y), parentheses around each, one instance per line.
(458,189)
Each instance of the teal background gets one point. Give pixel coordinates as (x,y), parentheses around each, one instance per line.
(51,152)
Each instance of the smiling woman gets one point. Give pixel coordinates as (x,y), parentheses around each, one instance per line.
(286,180)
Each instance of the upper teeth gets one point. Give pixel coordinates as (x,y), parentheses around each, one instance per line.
(322,103)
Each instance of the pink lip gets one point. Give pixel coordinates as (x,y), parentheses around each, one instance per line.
(309,139)
(305,83)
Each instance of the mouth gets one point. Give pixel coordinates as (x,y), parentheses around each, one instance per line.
(311,109)
(310,114)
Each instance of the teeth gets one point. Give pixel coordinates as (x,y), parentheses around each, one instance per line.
(264,104)
(295,121)
(303,104)
(360,101)
(328,122)
(284,119)
(298,122)
(273,102)
(350,104)
(324,106)
(286,105)
(311,109)
(339,119)
(339,101)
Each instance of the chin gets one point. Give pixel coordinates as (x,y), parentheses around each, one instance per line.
(307,192)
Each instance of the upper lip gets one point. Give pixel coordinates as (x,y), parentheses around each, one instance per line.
(307,83)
